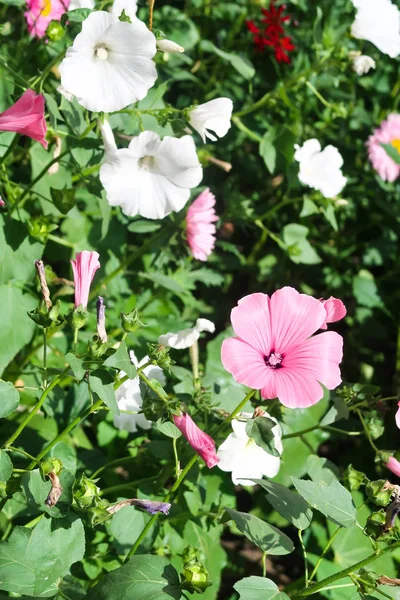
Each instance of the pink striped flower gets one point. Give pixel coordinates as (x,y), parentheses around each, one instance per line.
(41,12)
(393,465)
(397,417)
(84,266)
(335,311)
(200,228)
(274,351)
(387,133)
(201,442)
(26,117)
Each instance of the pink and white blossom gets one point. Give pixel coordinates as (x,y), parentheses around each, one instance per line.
(387,133)
(273,350)
(41,12)
(84,267)
(26,117)
(201,442)
(335,311)
(200,228)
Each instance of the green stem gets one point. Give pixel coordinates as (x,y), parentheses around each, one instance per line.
(44,358)
(151,386)
(33,412)
(76,330)
(344,573)
(40,78)
(264,564)
(366,430)
(325,550)
(177,463)
(303,548)
(14,73)
(288,436)
(194,360)
(126,486)
(114,463)
(13,449)
(317,94)
(251,134)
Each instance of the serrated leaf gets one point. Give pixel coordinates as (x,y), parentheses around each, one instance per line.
(143,577)
(333,501)
(102,383)
(260,430)
(258,588)
(9,398)
(6,466)
(287,503)
(263,535)
(76,365)
(121,360)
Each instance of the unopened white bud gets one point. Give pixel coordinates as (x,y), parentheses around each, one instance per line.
(169,46)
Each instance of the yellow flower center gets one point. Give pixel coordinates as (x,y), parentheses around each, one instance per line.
(396,144)
(46,10)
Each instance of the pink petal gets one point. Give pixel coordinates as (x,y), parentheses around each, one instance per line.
(397,417)
(84,268)
(201,442)
(294,318)
(251,321)
(393,465)
(26,117)
(246,363)
(335,310)
(297,389)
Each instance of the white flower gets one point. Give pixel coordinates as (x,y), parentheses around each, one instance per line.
(361,62)
(169,46)
(74,4)
(241,455)
(61,89)
(129,6)
(320,170)
(152,177)
(110,63)
(108,137)
(186,337)
(378,21)
(215,115)
(129,398)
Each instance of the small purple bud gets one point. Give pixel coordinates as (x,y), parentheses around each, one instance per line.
(153,507)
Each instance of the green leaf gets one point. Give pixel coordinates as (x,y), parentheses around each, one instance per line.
(260,430)
(265,536)
(64,199)
(37,489)
(76,365)
(142,226)
(258,588)
(18,251)
(121,360)
(365,289)
(242,65)
(321,469)
(16,327)
(6,466)
(287,503)
(125,527)
(333,501)
(143,577)
(102,383)
(267,150)
(9,398)
(169,429)
(299,248)
(32,561)
(392,152)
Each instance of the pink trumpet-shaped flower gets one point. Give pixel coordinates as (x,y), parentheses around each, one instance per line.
(335,311)
(387,133)
(393,465)
(201,442)
(84,266)
(200,228)
(41,12)
(26,117)
(273,351)
(397,417)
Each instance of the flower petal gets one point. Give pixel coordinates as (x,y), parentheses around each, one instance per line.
(245,363)
(251,321)
(397,417)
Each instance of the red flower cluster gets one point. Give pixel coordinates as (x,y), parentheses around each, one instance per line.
(272,33)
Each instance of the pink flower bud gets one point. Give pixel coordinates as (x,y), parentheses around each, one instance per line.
(335,311)
(26,117)
(202,443)
(84,266)
(393,465)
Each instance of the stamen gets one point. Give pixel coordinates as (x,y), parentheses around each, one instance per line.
(147,162)
(274,360)
(101,52)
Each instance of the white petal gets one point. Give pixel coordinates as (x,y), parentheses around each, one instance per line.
(108,136)
(129,6)
(180,339)
(205,325)
(378,21)
(214,115)
(74,4)
(321,170)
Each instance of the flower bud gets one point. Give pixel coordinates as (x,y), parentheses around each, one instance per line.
(51,465)
(354,479)
(131,321)
(194,577)
(159,355)
(55,31)
(86,492)
(379,492)
(169,46)
(77,317)
(101,320)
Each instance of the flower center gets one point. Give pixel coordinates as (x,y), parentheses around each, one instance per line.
(46,10)
(396,144)
(273,360)
(147,162)
(101,52)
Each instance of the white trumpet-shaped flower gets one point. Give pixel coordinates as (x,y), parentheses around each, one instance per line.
(109,65)
(246,460)
(152,177)
(321,170)
(214,115)
(186,337)
(378,21)
(129,397)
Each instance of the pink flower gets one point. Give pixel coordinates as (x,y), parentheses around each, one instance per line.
(26,117)
(2,203)
(202,443)
(387,133)
(41,12)
(393,465)
(397,417)
(84,267)
(200,228)
(335,311)
(273,351)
